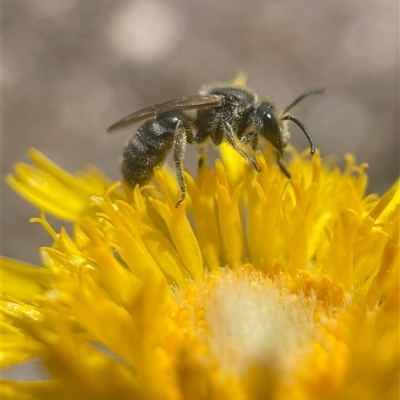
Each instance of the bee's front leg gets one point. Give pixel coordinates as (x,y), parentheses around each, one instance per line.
(230,136)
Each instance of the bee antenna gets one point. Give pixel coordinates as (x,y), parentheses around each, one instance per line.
(304,129)
(301,97)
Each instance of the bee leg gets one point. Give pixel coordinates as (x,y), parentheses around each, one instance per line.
(251,138)
(202,156)
(228,131)
(179,148)
(202,160)
(282,166)
(254,141)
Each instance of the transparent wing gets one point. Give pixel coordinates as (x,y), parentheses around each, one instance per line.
(185,103)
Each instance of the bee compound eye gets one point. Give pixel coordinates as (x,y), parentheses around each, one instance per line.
(271,128)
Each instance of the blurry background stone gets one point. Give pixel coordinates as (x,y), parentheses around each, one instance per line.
(73,67)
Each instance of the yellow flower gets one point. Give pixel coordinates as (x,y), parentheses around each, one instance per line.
(255,288)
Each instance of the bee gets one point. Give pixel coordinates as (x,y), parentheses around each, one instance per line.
(225,113)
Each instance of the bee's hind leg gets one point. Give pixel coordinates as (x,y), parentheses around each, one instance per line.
(179,148)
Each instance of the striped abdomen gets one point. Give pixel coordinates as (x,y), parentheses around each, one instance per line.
(149,147)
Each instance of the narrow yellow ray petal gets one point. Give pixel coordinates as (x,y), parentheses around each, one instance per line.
(64,178)
(17,348)
(23,281)
(130,244)
(205,217)
(235,165)
(240,79)
(43,190)
(40,390)
(181,232)
(229,217)
(160,249)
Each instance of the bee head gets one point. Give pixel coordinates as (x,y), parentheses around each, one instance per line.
(274,127)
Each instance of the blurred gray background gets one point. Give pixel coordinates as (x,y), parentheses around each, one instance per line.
(70,68)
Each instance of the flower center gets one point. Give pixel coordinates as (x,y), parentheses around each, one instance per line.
(252,321)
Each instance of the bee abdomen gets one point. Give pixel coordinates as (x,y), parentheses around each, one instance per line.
(148,148)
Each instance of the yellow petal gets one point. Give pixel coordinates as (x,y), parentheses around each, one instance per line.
(229,217)
(23,281)
(155,241)
(62,194)
(201,192)
(181,232)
